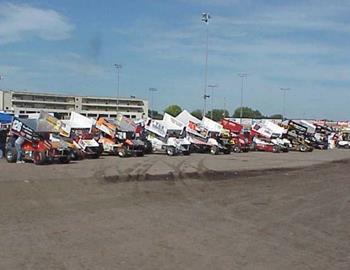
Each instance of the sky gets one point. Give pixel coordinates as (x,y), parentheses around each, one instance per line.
(69,46)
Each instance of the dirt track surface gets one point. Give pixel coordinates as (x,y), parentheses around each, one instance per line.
(296,219)
(162,167)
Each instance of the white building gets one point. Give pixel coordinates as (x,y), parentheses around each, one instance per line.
(24,103)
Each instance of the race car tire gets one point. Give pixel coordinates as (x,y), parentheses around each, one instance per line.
(64,160)
(148,147)
(122,152)
(227,151)
(39,158)
(170,150)
(236,149)
(11,155)
(303,148)
(275,149)
(214,150)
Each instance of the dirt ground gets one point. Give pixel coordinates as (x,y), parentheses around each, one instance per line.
(284,220)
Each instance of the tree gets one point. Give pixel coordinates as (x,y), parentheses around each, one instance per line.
(197,113)
(247,113)
(173,110)
(155,114)
(218,114)
(276,116)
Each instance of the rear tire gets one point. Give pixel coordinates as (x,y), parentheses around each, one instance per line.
(227,151)
(122,152)
(11,155)
(214,150)
(64,160)
(170,150)
(236,149)
(148,147)
(303,148)
(39,158)
(275,149)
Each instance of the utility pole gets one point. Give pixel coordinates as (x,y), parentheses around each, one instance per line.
(224,116)
(118,68)
(152,90)
(1,78)
(205,19)
(242,75)
(212,86)
(284,90)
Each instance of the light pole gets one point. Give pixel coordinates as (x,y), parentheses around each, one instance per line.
(118,68)
(284,90)
(152,90)
(242,75)
(1,79)
(212,86)
(224,113)
(205,19)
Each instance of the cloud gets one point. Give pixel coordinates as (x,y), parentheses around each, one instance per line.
(75,64)
(20,21)
(214,2)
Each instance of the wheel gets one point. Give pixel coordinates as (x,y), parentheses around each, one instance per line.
(73,155)
(65,159)
(170,150)
(237,149)
(148,147)
(122,152)
(303,148)
(214,150)
(275,149)
(227,151)
(39,158)
(11,155)
(100,149)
